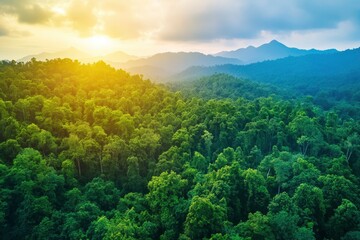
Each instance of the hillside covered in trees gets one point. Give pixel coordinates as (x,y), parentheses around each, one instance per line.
(310,74)
(90,152)
(221,86)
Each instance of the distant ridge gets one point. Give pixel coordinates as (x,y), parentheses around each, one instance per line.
(71,52)
(162,66)
(119,56)
(313,72)
(170,63)
(113,59)
(268,51)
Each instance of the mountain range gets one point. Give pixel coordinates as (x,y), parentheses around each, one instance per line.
(163,66)
(308,73)
(73,53)
(269,51)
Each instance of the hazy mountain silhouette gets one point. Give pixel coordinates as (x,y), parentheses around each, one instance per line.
(313,72)
(118,56)
(161,66)
(72,53)
(113,59)
(269,51)
(170,63)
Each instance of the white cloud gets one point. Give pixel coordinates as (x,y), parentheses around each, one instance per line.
(148,26)
(215,19)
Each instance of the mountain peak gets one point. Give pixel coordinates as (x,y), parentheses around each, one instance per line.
(70,50)
(275,43)
(268,51)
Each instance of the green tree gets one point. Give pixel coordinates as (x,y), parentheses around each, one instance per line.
(9,149)
(199,162)
(167,200)
(284,225)
(335,188)
(207,138)
(135,183)
(103,193)
(306,132)
(311,201)
(204,218)
(345,219)
(282,202)
(351,144)
(256,192)
(256,227)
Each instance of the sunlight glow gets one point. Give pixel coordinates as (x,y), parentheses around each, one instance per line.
(98,44)
(59,10)
(99,41)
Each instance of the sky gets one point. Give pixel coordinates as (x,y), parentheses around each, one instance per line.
(145,27)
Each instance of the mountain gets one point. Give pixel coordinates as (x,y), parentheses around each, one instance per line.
(72,53)
(269,51)
(113,59)
(167,64)
(152,72)
(119,57)
(309,73)
(157,67)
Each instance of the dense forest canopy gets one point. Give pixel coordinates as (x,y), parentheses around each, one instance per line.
(91,152)
(220,86)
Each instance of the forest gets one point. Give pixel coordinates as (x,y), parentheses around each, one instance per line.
(91,152)
(334,75)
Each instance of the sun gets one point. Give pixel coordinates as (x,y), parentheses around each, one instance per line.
(99,40)
(99,44)
(58,10)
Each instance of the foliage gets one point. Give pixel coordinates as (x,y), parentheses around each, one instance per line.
(90,152)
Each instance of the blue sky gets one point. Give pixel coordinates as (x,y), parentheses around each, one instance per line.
(143,27)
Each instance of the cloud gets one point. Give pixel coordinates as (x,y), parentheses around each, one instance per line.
(345,35)
(226,19)
(121,19)
(33,14)
(26,11)
(82,16)
(188,20)
(3,31)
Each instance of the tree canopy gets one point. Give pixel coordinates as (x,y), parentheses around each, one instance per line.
(91,152)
